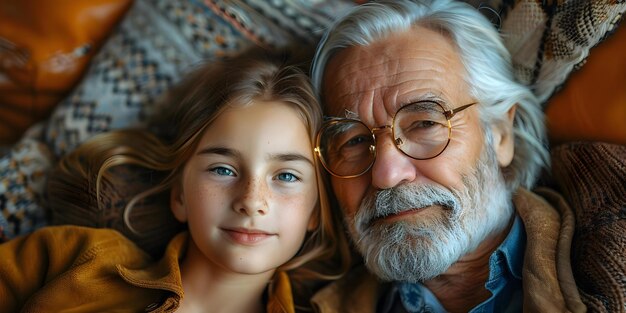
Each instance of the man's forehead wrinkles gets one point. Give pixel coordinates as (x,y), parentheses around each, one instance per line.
(378,103)
(353,86)
(395,83)
(353,98)
(351,68)
(416,75)
(350,80)
(429,58)
(406,75)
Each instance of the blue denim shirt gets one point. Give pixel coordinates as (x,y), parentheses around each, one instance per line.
(504,282)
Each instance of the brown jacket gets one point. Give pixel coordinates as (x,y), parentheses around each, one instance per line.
(79,269)
(547,280)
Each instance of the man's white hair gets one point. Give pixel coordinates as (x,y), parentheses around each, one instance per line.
(486,60)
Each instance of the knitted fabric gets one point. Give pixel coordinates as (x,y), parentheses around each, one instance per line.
(593,180)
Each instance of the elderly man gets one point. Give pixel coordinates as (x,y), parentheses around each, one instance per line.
(432,145)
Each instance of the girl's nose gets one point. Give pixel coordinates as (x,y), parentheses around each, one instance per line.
(253,198)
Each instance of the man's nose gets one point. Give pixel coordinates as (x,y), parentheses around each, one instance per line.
(391,167)
(252,199)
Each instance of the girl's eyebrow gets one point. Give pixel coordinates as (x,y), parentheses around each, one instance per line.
(221,151)
(284,157)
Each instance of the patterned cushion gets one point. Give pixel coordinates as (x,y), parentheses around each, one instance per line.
(549,39)
(154,45)
(22,178)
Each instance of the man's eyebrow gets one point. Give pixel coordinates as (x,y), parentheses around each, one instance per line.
(220,150)
(429,96)
(288,157)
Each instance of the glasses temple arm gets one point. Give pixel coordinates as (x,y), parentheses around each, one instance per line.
(451,113)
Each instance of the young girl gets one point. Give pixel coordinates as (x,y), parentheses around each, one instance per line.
(237,162)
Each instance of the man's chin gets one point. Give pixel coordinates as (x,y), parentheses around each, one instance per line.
(389,271)
(414,255)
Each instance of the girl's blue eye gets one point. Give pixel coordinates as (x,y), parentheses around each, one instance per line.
(222,171)
(288,177)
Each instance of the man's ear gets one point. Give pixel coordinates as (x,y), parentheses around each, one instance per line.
(177,203)
(504,138)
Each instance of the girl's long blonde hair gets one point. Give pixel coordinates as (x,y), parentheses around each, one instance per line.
(138,167)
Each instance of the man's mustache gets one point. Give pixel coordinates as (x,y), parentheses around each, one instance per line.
(400,199)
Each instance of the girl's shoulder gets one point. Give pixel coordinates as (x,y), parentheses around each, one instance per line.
(76,244)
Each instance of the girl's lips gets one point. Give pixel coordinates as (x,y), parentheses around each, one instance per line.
(247,236)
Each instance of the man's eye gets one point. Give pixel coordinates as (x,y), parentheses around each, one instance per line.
(425,124)
(288,177)
(222,171)
(358,140)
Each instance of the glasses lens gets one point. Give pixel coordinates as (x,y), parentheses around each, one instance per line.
(421,130)
(345,147)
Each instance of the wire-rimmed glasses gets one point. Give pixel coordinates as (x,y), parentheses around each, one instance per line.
(421,130)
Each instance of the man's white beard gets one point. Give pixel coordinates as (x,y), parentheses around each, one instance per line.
(419,249)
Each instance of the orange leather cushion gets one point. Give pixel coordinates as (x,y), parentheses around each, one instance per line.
(45,46)
(592,104)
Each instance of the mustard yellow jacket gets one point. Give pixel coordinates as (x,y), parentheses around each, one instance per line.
(79,269)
